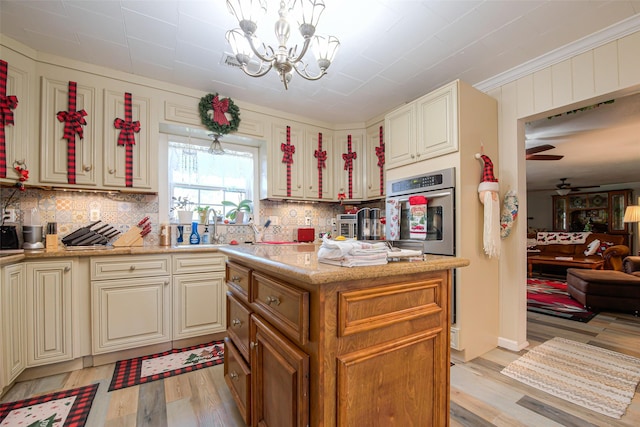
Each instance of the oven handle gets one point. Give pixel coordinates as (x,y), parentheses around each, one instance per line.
(405,197)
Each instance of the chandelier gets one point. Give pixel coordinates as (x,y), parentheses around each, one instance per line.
(257,58)
(215,148)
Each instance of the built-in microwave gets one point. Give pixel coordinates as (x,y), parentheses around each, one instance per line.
(438,221)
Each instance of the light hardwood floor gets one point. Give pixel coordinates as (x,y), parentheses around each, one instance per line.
(480,395)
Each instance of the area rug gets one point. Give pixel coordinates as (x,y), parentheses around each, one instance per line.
(140,370)
(598,379)
(551,297)
(69,408)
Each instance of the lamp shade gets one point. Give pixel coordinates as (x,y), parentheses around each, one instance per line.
(632,214)
(563,191)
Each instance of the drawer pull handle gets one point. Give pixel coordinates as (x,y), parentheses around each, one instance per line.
(67,269)
(253,345)
(235,278)
(233,376)
(273,300)
(236,322)
(133,267)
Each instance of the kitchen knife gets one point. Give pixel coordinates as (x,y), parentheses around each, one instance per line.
(82,240)
(79,232)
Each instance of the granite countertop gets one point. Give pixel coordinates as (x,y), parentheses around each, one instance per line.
(300,261)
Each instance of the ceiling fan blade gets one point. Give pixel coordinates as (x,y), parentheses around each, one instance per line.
(543,157)
(539,149)
(583,187)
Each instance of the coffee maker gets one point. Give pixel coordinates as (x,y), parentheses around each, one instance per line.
(32,237)
(364,224)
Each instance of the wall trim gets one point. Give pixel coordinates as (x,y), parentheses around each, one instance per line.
(592,41)
(511,344)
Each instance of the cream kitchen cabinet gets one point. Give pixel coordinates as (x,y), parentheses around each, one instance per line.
(353,179)
(13,320)
(375,185)
(199,304)
(312,177)
(287,179)
(50,308)
(130,301)
(20,138)
(424,128)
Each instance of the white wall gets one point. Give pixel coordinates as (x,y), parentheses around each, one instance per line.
(610,70)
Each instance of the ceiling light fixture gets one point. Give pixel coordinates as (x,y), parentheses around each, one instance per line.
(563,191)
(216,147)
(248,49)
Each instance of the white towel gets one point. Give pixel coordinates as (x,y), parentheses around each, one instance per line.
(352,253)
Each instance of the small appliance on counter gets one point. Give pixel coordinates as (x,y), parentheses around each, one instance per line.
(8,237)
(346,225)
(32,237)
(306,234)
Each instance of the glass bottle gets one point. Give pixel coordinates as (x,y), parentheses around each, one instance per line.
(194,239)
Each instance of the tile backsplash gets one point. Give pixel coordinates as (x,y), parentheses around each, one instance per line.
(72,210)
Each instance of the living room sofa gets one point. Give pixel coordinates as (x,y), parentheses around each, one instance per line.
(613,254)
(607,289)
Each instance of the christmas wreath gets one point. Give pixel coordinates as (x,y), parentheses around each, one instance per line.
(213,112)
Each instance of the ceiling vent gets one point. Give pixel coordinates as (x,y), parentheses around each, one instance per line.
(230,60)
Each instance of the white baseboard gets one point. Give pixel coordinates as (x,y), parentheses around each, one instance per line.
(512,345)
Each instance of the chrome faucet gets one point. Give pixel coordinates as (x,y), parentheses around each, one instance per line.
(215,238)
(256,232)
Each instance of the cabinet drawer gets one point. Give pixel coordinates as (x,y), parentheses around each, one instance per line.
(284,306)
(238,278)
(238,324)
(122,267)
(237,375)
(198,263)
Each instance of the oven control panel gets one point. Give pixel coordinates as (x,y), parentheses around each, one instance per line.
(431,181)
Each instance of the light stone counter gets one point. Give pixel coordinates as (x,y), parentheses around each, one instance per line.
(300,261)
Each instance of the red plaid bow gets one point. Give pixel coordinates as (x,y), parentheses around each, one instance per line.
(219,108)
(7,103)
(288,151)
(73,121)
(127,129)
(348,160)
(380,154)
(322,158)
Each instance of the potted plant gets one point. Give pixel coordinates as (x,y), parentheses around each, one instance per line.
(180,204)
(203,214)
(239,209)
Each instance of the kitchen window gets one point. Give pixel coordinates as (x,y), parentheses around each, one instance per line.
(208,179)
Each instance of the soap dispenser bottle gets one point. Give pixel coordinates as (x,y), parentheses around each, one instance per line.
(194,239)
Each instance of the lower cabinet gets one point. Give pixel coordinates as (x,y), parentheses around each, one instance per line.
(12,323)
(49,302)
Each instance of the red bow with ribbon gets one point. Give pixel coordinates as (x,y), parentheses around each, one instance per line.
(73,121)
(380,155)
(349,157)
(127,138)
(7,103)
(219,108)
(321,155)
(288,151)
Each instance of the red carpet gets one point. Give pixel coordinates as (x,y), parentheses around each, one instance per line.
(68,408)
(140,370)
(550,297)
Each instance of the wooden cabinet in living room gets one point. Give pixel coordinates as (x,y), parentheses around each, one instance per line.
(349,164)
(12,323)
(50,309)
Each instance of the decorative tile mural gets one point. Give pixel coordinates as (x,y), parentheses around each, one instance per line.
(71,210)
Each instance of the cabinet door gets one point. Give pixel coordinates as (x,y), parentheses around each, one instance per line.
(560,214)
(200,304)
(618,205)
(400,136)
(354,180)
(314,175)
(13,318)
(129,313)
(280,379)
(49,308)
(281,179)
(53,154)
(437,123)
(144,155)
(375,174)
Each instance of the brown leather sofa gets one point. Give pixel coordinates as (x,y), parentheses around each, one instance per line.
(576,251)
(607,289)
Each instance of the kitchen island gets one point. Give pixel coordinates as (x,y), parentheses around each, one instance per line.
(311,344)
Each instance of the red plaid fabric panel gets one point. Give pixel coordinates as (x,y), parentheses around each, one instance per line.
(73,121)
(287,158)
(128,129)
(127,372)
(380,155)
(7,103)
(322,158)
(79,410)
(349,157)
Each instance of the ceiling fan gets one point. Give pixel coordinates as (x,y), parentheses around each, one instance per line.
(564,187)
(531,153)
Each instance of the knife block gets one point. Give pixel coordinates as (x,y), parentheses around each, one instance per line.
(131,238)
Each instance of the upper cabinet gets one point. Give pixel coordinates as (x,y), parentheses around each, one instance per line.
(424,128)
(375,162)
(350,154)
(319,164)
(287,153)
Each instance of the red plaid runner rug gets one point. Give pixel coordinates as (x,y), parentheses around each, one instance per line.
(140,370)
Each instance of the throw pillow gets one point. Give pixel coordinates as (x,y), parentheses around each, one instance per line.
(592,248)
(603,247)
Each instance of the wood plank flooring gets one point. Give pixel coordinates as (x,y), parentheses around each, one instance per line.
(480,395)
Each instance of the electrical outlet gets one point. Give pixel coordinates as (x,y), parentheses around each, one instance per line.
(10,215)
(94,215)
(333,222)
(307,220)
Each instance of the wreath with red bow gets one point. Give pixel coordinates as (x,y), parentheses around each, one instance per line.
(213,113)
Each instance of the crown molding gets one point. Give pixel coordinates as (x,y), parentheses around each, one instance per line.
(592,41)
